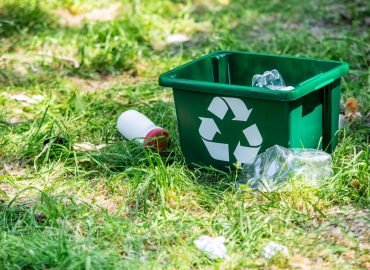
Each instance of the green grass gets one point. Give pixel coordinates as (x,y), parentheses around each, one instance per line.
(127,207)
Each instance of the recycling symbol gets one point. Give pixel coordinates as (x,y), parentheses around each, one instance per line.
(208,130)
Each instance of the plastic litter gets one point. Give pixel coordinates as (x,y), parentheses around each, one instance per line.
(270,79)
(272,249)
(214,248)
(134,125)
(177,38)
(342,121)
(278,165)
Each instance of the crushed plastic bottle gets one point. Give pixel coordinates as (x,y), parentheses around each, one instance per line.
(270,79)
(278,165)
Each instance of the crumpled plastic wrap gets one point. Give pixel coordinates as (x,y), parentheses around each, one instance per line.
(278,165)
(213,247)
(272,249)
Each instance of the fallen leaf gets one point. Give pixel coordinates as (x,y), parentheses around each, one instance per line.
(87,146)
(351,105)
(27,99)
(14,169)
(351,109)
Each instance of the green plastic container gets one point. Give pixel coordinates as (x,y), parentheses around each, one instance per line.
(222,119)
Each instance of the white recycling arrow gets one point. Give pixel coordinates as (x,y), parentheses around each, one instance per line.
(219,151)
(245,154)
(253,135)
(239,109)
(218,107)
(208,128)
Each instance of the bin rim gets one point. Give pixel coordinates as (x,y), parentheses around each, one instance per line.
(314,83)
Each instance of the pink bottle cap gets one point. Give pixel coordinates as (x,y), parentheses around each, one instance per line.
(157,138)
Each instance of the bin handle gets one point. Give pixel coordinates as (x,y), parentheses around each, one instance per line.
(324,83)
(327,77)
(311,79)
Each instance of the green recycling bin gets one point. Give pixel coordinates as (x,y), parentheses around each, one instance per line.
(222,119)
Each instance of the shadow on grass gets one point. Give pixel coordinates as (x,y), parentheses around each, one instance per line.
(18,18)
(96,51)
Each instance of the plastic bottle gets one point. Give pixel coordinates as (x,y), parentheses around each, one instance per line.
(134,125)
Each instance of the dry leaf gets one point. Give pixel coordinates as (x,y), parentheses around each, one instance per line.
(351,105)
(14,169)
(27,99)
(87,146)
(351,109)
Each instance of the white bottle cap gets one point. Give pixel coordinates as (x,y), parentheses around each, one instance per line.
(134,125)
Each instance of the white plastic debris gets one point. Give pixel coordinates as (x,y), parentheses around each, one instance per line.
(177,38)
(272,249)
(270,79)
(214,248)
(27,99)
(342,121)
